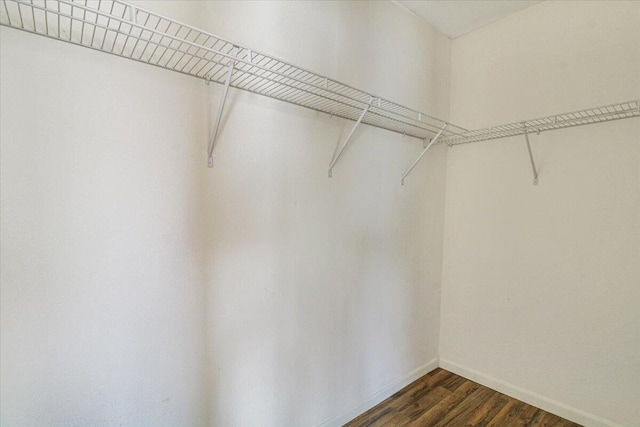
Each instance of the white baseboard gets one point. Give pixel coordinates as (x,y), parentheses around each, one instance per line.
(549,405)
(377,397)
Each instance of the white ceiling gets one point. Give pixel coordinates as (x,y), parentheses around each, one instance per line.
(457,17)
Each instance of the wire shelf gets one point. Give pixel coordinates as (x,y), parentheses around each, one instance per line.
(120,28)
(623,110)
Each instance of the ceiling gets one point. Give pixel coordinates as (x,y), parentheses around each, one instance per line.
(455,18)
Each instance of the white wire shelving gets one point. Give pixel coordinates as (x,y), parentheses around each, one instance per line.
(125,30)
(606,113)
(119,28)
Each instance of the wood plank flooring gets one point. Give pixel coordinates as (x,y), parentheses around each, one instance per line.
(441,398)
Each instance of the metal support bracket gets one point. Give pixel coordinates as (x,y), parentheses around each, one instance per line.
(413,165)
(227,82)
(533,165)
(346,142)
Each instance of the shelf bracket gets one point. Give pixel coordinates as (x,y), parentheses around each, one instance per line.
(413,165)
(227,82)
(533,164)
(346,142)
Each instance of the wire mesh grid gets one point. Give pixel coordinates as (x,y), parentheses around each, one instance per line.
(605,113)
(125,30)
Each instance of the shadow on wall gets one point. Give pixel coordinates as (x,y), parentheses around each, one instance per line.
(316,285)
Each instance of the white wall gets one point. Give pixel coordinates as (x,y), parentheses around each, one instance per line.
(102,277)
(540,290)
(140,288)
(323,291)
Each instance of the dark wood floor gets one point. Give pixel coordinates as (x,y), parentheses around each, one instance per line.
(441,398)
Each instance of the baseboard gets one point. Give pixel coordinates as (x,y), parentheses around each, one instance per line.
(380,395)
(549,405)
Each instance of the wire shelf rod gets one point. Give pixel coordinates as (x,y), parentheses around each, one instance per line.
(122,29)
(621,110)
(125,30)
